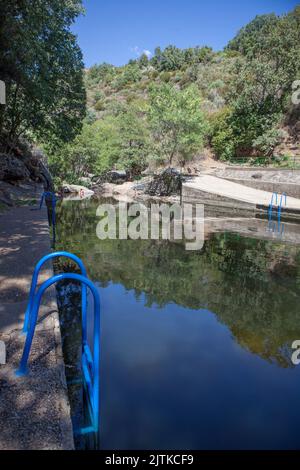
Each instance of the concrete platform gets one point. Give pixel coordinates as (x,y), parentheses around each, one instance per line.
(34,411)
(212,190)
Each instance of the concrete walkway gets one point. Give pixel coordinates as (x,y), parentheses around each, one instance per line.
(34,411)
(240,193)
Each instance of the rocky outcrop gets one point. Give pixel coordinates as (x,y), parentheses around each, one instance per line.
(12,169)
(24,163)
(290,142)
(124,192)
(112,177)
(74,189)
(41,169)
(167,183)
(116,176)
(23,173)
(22,192)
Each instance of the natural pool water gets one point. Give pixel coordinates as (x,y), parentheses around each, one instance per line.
(196,346)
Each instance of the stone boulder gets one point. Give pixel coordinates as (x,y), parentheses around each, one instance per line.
(111,177)
(76,190)
(116,177)
(166,183)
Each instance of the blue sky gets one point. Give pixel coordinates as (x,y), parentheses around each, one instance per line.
(115,31)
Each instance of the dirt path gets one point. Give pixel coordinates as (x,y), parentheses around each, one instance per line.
(34,411)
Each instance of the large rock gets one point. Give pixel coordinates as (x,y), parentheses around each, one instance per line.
(76,190)
(12,169)
(116,177)
(167,183)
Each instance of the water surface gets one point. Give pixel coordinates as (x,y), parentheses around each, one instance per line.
(196,346)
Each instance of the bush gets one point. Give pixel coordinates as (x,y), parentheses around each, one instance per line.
(99,95)
(153,74)
(100,105)
(266,143)
(143,85)
(130,97)
(131,74)
(165,77)
(222,135)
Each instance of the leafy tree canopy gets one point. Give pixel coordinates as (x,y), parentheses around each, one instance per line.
(177,122)
(42,67)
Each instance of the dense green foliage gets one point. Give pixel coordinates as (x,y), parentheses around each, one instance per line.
(159,110)
(177,122)
(41,64)
(167,108)
(264,73)
(133,134)
(119,139)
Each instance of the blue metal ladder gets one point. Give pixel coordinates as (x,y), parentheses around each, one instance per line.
(272,224)
(90,362)
(283,196)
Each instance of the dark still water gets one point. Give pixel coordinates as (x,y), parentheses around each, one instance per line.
(196,346)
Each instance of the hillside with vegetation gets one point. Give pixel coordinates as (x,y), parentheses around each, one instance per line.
(166,110)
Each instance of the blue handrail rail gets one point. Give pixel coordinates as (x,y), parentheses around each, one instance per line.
(283,196)
(48,194)
(274,195)
(90,362)
(54,199)
(272,224)
(34,281)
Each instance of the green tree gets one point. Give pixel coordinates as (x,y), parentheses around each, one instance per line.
(134,138)
(144,61)
(102,73)
(222,137)
(261,84)
(271,47)
(196,55)
(248,38)
(120,141)
(130,74)
(177,122)
(95,150)
(42,66)
(168,60)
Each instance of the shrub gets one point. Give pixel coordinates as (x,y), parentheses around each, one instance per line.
(165,77)
(266,143)
(99,95)
(100,105)
(153,74)
(222,135)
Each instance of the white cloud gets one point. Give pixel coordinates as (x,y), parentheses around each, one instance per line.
(147,53)
(138,52)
